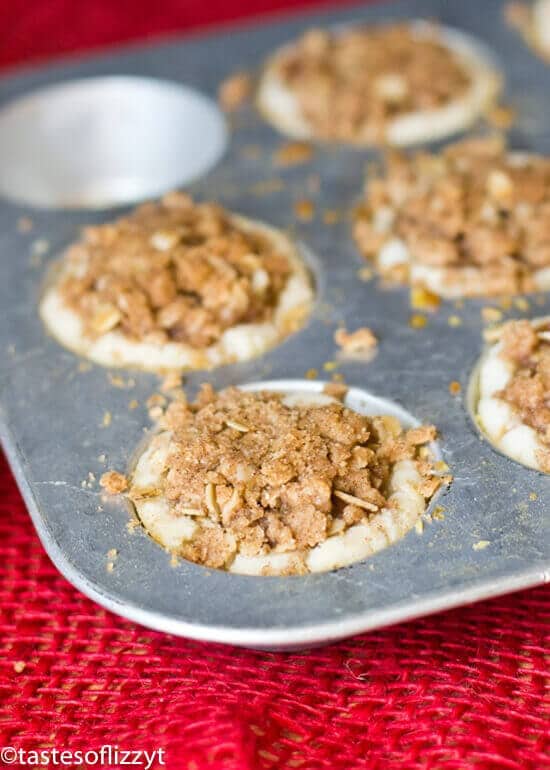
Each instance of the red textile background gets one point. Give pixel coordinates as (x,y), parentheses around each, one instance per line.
(467,688)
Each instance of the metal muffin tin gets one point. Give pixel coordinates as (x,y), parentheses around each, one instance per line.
(53,413)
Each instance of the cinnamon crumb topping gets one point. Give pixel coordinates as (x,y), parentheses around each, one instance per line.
(235,91)
(528,391)
(360,341)
(350,84)
(304,209)
(174,271)
(475,212)
(113,482)
(263,477)
(337,390)
(293,154)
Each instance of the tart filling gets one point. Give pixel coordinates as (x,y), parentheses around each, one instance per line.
(471,221)
(397,83)
(261,483)
(177,285)
(513,409)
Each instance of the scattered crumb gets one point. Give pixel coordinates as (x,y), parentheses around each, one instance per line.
(171,382)
(422,299)
(235,91)
(418,321)
(110,566)
(481,544)
(156,399)
(293,154)
(360,341)
(533,496)
(491,314)
(438,514)
(24,224)
(116,380)
(336,390)
(455,388)
(107,419)
(19,666)
(331,216)
(113,482)
(102,458)
(133,404)
(522,304)
(454,320)
(330,366)
(112,553)
(312,374)
(132,525)
(304,209)
(365,274)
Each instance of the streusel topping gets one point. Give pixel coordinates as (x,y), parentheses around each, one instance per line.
(476,212)
(528,391)
(350,84)
(260,476)
(173,271)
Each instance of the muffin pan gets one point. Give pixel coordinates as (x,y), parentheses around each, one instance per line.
(64,423)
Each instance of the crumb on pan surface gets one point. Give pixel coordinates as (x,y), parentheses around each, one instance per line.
(513,408)
(260,483)
(362,340)
(235,91)
(177,285)
(398,83)
(470,221)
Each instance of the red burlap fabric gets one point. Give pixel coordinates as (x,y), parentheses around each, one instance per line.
(463,689)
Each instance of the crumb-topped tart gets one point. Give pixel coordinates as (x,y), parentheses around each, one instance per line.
(263,483)
(394,83)
(532,19)
(470,221)
(177,285)
(513,409)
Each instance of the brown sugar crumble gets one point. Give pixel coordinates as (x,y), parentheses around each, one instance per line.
(304,209)
(351,84)
(527,392)
(113,482)
(475,212)
(362,340)
(173,271)
(337,390)
(235,91)
(259,476)
(293,154)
